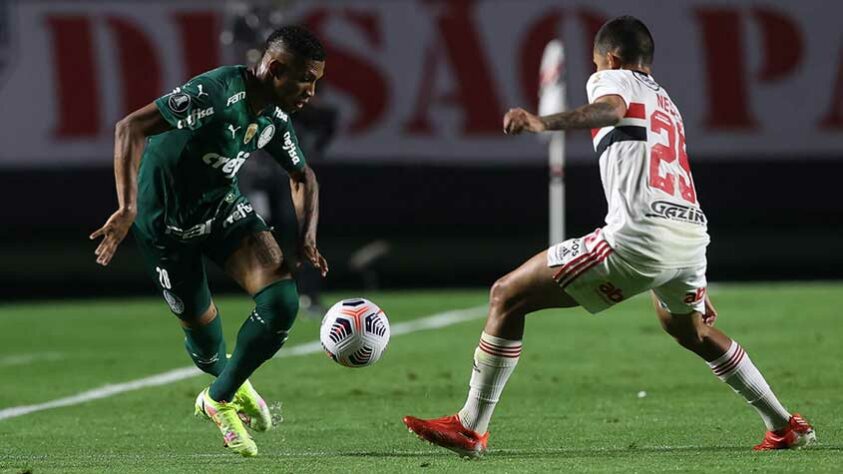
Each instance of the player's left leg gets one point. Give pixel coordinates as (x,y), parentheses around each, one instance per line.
(257,265)
(178,271)
(681,310)
(529,288)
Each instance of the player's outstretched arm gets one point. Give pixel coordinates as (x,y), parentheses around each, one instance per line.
(129,138)
(603,112)
(305,190)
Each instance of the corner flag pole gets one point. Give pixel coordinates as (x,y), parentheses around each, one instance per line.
(552,100)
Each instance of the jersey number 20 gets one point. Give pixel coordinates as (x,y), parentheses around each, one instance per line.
(674,149)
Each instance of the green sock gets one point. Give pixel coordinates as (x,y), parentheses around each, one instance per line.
(206,346)
(259,338)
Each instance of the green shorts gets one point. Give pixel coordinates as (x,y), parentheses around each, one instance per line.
(174,256)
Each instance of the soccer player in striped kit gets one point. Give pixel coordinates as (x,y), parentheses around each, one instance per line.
(654,240)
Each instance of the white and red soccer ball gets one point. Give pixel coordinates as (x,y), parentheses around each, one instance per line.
(355,332)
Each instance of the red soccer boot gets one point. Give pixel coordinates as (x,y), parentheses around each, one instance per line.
(797,434)
(449,433)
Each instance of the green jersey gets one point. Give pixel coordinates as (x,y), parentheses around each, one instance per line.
(188,175)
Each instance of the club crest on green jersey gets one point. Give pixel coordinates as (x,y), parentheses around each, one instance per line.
(175,303)
(266,135)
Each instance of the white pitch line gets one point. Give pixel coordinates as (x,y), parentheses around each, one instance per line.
(25,359)
(435,321)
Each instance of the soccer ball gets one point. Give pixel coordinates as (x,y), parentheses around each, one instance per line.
(354,332)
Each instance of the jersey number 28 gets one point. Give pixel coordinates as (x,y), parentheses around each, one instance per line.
(661,122)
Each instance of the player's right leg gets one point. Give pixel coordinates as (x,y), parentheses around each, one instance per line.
(680,307)
(204,341)
(179,272)
(529,288)
(256,263)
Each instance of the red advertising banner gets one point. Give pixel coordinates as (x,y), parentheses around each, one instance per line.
(429,80)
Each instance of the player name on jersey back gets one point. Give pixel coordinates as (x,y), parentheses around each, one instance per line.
(654,217)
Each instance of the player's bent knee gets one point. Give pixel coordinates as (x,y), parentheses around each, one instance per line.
(262,278)
(500,296)
(196,319)
(276,306)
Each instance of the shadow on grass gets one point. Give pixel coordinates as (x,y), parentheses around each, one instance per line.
(497,454)
(552,452)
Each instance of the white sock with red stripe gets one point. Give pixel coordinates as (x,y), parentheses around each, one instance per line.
(494,362)
(737,370)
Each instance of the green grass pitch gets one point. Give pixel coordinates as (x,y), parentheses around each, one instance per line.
(571,406)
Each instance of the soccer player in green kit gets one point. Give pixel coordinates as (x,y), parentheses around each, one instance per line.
(175,165)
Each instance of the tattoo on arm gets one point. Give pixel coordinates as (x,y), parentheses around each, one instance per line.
(266,250)
(596,115)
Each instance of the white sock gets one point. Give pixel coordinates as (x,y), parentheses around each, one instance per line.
(737,370)
(494,362)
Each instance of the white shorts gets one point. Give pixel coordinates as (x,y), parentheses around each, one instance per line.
(597,277)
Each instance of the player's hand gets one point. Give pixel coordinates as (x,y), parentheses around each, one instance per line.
(710,315)
(113,232)
(311,253)
(519,120)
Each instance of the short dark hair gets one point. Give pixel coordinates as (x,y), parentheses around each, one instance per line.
(297,40)
(628,38)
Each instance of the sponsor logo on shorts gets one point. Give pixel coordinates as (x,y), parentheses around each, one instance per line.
(611,292)
(175,303)
(179,102)
(695,296)
(568,250)
(196,231)
(242,210)
(677,212)
(266,135)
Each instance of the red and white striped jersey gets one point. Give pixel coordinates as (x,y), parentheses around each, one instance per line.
(654,217)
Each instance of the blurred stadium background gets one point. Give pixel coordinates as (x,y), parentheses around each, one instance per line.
(405,136)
